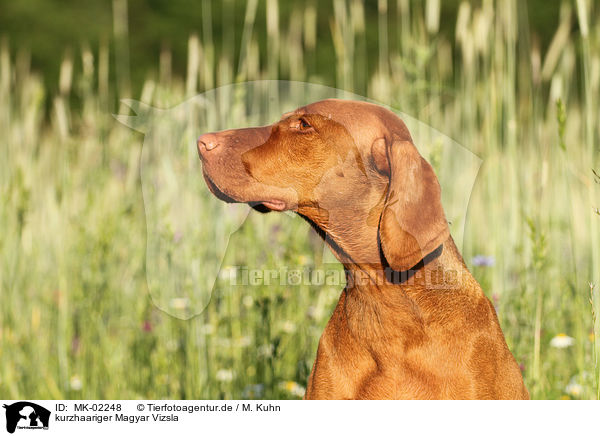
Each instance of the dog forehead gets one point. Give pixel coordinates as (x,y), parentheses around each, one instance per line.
(362,120)
(343,110)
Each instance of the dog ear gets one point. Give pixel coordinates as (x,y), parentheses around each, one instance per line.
(412,223)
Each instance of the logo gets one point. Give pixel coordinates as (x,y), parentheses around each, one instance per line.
(26,415)
(189,229)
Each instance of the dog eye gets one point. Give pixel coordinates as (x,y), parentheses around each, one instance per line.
(304,124)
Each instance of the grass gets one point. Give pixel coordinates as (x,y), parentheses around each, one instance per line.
(84,313)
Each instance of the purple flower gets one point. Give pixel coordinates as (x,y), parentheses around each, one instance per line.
(253,391)
(495,300)
(147,326)
(481,260)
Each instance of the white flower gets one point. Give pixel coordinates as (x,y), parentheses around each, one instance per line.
(207,329)
(313,312)
(224,375)
(228,273)
(172,345)
(577,390)
(248,301)
(265,350)
(75,383)
(288,326)
(561,340)
(244,341)
(574,389)
(179,303)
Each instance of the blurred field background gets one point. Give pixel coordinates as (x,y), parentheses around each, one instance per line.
(517,83)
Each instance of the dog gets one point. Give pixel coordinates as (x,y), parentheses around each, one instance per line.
(412,322)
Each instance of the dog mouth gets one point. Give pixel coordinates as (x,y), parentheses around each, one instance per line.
(260,205)
(276,205)
(214,189)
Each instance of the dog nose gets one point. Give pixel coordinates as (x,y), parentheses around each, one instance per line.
(207,142)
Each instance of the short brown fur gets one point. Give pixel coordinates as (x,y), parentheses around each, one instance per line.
(412,323)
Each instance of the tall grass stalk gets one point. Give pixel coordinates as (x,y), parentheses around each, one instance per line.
(595,302)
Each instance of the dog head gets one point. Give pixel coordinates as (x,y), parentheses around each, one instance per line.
(349,167)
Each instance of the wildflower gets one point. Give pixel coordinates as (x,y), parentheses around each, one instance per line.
(496,300)
(481,260)
(303,260)
(179,303)
(265,350)
(147,326)
(579,385)
(312,312)
(228,273)
(75,383)
(561,340)
(253,392)
(288,326)
(207,329)
(244,341)
(224,375)
(574,389)
(248,301)
(293,388)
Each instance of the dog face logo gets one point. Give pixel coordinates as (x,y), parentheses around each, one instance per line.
(26,415)
(189,229)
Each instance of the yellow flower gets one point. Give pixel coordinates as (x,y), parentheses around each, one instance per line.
(293,388)
(303,260)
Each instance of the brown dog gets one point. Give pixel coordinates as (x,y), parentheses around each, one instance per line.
(412,323)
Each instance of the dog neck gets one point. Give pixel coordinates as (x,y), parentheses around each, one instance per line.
(442,269)
(380,304)
(378,292)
